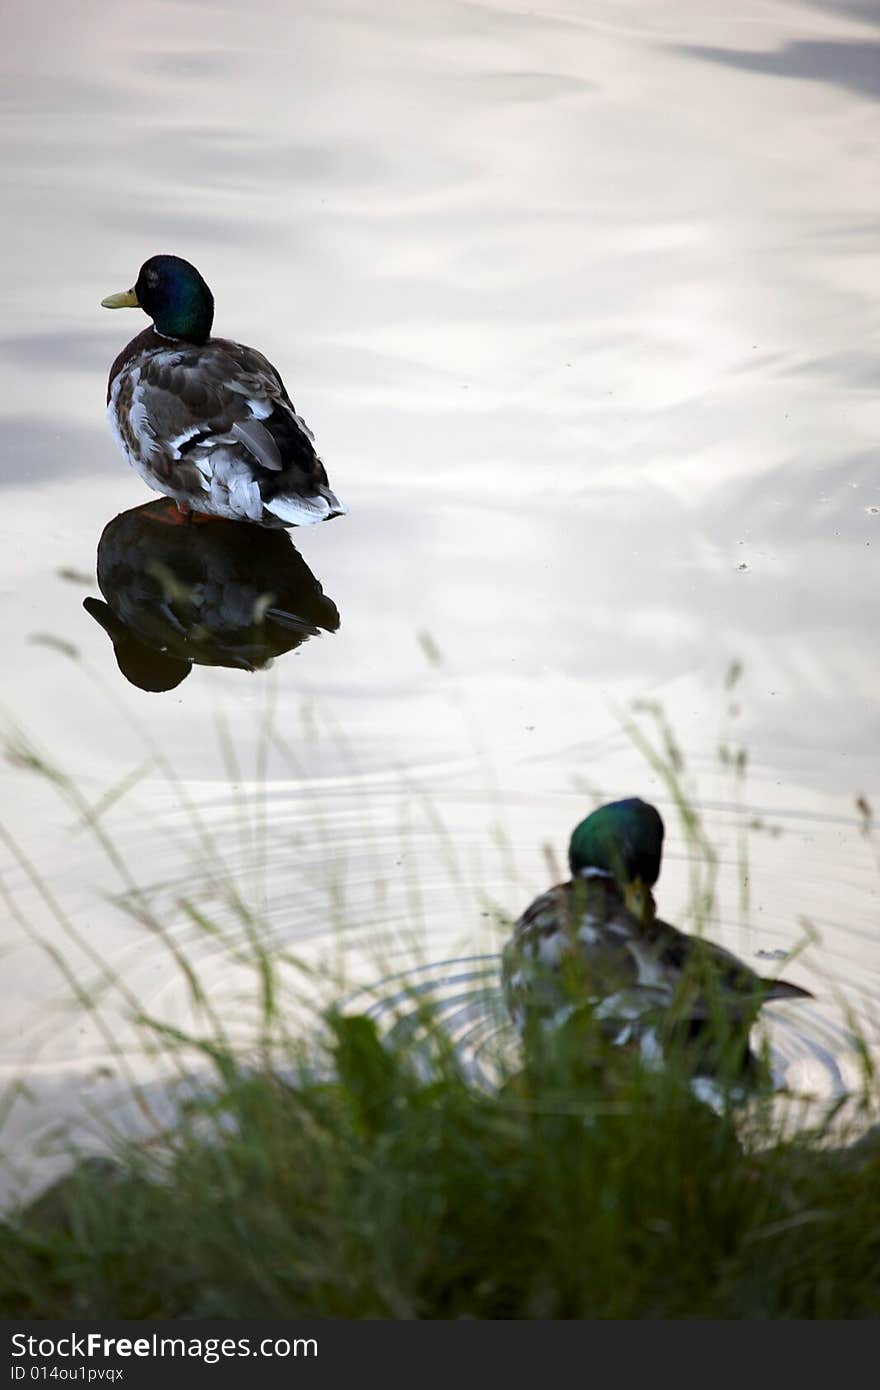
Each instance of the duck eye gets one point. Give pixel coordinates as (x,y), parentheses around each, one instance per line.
(152,279)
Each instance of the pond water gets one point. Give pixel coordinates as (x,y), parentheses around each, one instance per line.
(580,302)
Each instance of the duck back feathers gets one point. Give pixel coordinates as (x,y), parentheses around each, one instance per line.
(211,425)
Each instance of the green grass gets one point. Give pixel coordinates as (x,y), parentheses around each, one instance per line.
(390,1188)
(362,1174)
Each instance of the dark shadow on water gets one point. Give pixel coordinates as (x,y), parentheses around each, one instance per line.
(213,593)
(868,11)
(854,65)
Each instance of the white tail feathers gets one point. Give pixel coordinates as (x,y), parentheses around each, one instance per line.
(294,510)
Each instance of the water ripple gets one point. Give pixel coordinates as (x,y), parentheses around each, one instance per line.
(463,995)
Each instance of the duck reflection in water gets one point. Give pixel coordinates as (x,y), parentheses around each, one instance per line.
(209,592)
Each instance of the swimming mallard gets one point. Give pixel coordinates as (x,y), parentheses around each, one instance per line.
(205,420)
(597,940)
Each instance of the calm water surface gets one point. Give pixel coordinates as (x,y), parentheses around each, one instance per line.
(580,301)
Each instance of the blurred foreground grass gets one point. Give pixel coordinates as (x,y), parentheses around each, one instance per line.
(389,1187)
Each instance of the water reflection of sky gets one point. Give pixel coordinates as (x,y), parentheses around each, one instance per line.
(581,309)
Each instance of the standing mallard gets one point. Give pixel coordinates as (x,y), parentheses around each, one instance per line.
(205,420)
(597,940)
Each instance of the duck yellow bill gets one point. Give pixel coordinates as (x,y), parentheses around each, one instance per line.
(636,897)
(126,299)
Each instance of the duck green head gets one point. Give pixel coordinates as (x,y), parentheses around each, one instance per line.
(623,839)
(174,295)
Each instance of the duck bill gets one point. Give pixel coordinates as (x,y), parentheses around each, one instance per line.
(126,299)
(640,900)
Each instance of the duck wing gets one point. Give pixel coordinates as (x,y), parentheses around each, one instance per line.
(704,977)
(215,418)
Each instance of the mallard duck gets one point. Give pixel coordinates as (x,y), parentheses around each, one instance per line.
(597,940)
(205,420)
(224,594)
